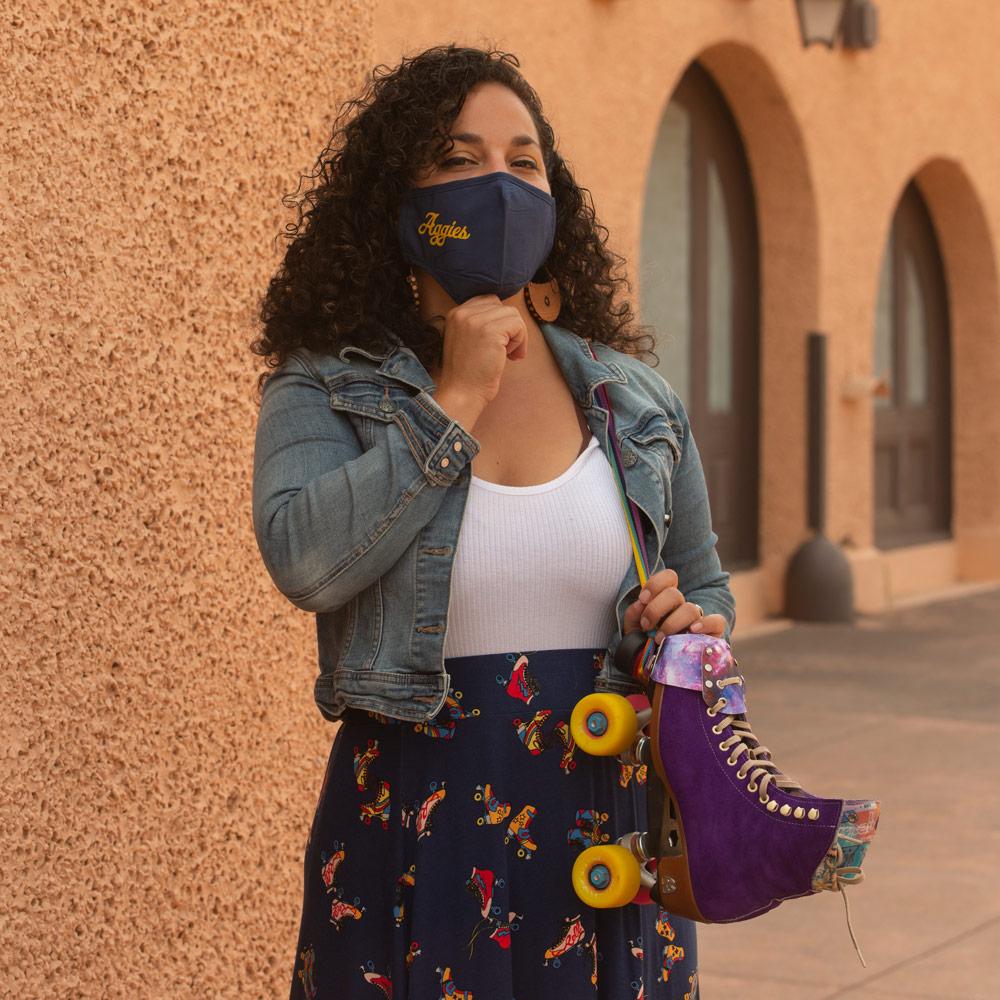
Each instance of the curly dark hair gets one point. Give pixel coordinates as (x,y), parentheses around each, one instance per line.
(343,278)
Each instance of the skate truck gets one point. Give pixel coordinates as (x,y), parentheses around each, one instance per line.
(728,835)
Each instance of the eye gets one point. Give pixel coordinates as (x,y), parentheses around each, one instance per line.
(454,160)
(530,164)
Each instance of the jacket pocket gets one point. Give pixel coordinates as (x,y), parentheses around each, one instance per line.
(656,436)
(365,396)
(378,624)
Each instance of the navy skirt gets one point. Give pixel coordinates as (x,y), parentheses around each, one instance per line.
(440,856)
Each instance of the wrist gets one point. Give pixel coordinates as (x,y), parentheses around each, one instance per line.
(460,405)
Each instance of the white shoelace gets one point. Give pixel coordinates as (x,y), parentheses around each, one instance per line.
(762,772)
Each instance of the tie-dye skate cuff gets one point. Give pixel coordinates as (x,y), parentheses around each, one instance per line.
(855,830)
(698,663)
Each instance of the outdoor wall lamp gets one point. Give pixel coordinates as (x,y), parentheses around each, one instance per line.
(822,20)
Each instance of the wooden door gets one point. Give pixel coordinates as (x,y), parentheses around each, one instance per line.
(913,422)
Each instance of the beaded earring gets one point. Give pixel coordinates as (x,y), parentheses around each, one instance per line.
(414,290)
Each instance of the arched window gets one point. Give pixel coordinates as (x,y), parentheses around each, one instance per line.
(699,292)
(912,422)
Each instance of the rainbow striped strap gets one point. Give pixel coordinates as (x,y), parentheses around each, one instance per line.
(643,661)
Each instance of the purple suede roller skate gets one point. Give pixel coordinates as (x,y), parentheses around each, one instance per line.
(731,835)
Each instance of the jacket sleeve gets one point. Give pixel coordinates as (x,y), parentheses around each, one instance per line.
(689,548)
(330,517)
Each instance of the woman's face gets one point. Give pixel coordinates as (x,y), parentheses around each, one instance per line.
(494,131)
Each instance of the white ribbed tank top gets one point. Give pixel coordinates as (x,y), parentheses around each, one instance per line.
(539,567)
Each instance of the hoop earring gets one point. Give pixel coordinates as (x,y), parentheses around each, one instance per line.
(543,299)
(414,290)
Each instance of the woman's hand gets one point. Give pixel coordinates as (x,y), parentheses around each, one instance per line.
(480,336)
(662,606)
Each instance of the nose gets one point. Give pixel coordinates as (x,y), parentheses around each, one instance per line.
(495,161)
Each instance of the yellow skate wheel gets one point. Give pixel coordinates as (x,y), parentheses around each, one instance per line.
(606,876)
(604,724)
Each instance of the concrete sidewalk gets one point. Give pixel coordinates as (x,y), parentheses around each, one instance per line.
(902,707)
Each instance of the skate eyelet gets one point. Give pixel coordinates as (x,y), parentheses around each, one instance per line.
(731,762)
(752,786)
(716,730)
(724,745)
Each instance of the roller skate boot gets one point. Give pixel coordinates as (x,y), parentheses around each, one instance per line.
(730,834)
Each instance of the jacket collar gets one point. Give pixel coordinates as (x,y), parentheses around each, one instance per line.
(582,372)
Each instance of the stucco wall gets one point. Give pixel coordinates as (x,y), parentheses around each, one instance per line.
(161,755)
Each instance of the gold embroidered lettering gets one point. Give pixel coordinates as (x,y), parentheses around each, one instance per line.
(439,232)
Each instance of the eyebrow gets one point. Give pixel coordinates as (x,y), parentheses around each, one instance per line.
(477,140)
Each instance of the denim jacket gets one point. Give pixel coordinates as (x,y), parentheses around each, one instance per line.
(360,480)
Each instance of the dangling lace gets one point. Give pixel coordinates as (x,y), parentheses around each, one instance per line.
(838,879)
(763,774)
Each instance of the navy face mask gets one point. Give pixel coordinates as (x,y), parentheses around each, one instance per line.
(479,235)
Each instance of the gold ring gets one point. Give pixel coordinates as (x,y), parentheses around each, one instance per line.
(701,611)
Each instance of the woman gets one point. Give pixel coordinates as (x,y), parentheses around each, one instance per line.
(433,478)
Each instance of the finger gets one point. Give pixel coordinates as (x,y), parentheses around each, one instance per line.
(678,620)
(657,582)
(633,613)
(485,311)
(513,330)
(660,606)
(630,622)
(476,306)
(477,303)
(714,625)
(505,322)
(517,344)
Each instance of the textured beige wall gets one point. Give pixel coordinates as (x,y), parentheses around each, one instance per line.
(161,755)
(832,138)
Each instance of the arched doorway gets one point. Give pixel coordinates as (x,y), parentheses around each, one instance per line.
(700,293)
(912,354)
